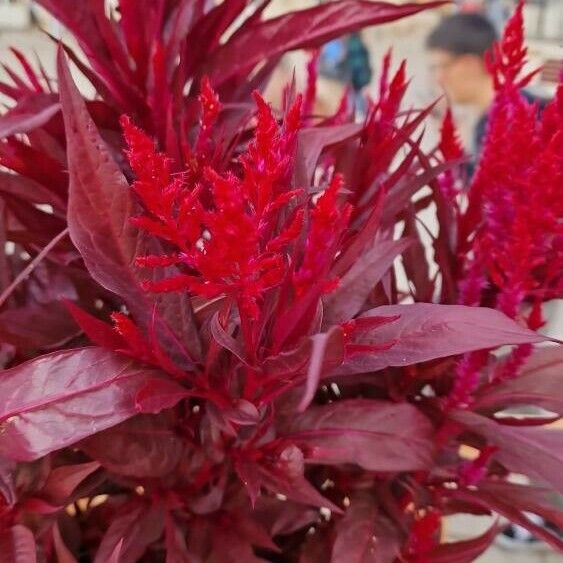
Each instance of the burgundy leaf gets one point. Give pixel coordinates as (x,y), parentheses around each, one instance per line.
(30,113)
(539,500)
(535,452)
(63,480)
(158,394)
(100,333)
(63,553)
(116,553)
(363,535)
(355,286)
(17,545)
(514,507)
(540,383)
(135,527)
(463,551)
(37,326)
(7,481)
(426,331)
(58,399)
(316,26)
(283,517)
(225,340)
(99,212)
(327,353)
(99,205)
(376,435)
(286,476)
(30,190)
(144,446)
(176,549)
(310,144)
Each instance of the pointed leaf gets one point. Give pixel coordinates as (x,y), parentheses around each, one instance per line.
(143,447)
(17,545)
(376,435)
(63,480)
(159,394)
(426,331)
(327,353)
(354,288)
(37,326)
(176,549)
(132,530)
(464,551)
(316,26)
(515,508)
(99,205)
(99,212)
(58,399)
(536,452)
(30,113)
(363,535)
(540,383)
(63,553)
(310,144)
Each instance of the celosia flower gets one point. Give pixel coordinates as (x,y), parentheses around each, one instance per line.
(236,246)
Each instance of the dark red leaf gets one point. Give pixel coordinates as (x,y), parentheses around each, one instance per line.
(176,549)
(63,480)
(310,144)
(364,535)
(158,394)
(284,517)
(99,205)
(285,475)
(63,553)
(37,327)
(426,331)
(144,447)
(7,481)
(463,551)
(513,504)
(327,353)
(100,333)
(355,286)
(376,435)
(536,452)
(99,212)
(540,383)
(137,525)
(316,26)
(59,399)
(17,545)
(30,191)
(30,113)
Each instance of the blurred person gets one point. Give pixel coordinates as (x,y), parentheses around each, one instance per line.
(456,51)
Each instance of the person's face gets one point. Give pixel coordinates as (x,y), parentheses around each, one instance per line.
(457,75)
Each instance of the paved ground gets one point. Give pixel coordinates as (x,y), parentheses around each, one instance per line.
(407,39)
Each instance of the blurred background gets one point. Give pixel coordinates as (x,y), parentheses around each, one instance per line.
(22,24)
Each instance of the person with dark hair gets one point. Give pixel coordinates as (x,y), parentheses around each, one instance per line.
(456,48)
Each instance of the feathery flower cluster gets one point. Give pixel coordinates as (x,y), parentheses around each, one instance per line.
(239,245)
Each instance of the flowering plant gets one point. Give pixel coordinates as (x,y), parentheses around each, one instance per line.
(236,371)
